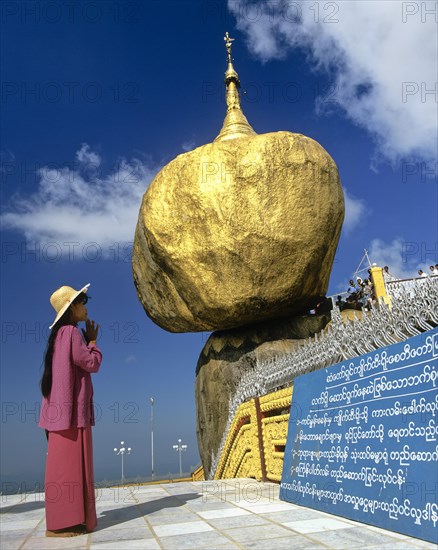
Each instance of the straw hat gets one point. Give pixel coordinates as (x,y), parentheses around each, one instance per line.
(62,298)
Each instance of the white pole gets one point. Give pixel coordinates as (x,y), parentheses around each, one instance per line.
(123,473)
(152,435)
(180,448)
(121,451)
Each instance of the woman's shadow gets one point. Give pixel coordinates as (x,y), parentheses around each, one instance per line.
(119,515)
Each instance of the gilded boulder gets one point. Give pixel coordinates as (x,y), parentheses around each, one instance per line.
(238,231)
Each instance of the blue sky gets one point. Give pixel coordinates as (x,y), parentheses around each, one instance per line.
(97,96)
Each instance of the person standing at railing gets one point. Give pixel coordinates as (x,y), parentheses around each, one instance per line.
(368,298)
(387,275)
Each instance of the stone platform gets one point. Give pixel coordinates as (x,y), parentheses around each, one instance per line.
(236,513)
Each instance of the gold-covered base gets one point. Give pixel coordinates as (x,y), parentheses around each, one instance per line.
(256,440)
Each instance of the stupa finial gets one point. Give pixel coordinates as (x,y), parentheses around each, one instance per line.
(235,123)
(228,43)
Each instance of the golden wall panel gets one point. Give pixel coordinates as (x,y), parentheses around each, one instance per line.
(240,456)
(198,474)
(275,409)
(248,436)
(274,430)
(276,399)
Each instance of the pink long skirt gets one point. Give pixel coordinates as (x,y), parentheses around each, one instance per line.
(69,485)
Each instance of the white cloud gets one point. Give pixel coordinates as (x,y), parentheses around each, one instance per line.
(372,55)
(86,156)
(79,204)
(355,211)
(396,255)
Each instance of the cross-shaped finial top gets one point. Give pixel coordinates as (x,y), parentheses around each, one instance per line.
(228,43)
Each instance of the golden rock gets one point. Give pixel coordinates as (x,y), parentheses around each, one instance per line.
(239,230)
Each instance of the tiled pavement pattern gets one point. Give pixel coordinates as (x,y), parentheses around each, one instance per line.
(237,513)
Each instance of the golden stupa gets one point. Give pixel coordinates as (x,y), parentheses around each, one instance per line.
(240,230)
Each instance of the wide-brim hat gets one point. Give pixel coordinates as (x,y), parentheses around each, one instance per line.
(62,299)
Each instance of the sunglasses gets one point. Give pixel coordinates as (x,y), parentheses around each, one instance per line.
(83,299)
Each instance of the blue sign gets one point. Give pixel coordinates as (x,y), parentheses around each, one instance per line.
(363,439)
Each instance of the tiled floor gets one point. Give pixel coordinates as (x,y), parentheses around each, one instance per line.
(237,513)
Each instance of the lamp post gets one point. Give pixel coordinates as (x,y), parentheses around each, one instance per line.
(180,448)
(152,435)
(122,451)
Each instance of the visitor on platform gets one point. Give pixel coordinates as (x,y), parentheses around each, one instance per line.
(387,275)
(67,414)
(433,270)
(360,291)
(421,273)
(352,287)
(368,298)
(352,300)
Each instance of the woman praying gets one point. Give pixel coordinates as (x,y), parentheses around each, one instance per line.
(67,414)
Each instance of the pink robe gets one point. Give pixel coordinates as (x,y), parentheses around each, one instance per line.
(69,484)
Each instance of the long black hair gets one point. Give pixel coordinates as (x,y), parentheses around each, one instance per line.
(46,378)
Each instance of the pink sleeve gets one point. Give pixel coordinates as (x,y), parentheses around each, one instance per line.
(85,357)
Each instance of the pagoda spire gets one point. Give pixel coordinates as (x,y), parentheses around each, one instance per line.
(235,123)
